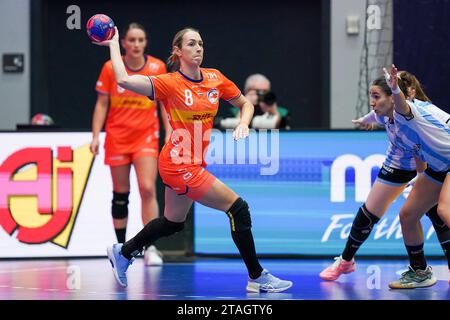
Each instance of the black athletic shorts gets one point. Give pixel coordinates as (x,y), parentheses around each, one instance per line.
(436,176)
(395,177)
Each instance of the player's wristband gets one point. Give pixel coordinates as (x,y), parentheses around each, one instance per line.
(396,90)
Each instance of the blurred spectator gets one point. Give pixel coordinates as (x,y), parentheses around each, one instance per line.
(255,86)
(273,117)
(268,115)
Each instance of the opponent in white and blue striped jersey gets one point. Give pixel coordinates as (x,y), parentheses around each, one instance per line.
(426,129)
(397,171)
(399,154)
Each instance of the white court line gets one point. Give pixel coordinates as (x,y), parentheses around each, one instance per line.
(42,289)
(229,298)
(195,296)
(32,270)
(113,293)
(174,264)
(166,295)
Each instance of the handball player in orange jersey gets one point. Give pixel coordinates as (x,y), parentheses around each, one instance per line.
(132,134)
(190,96)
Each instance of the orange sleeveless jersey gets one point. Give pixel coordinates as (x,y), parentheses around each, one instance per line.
(191,106)
(132,118)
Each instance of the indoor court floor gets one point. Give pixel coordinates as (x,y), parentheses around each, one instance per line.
(206,279)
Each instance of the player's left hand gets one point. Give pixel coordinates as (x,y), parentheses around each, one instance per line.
(391,78)
(364,125)
(107,43)
(241,131)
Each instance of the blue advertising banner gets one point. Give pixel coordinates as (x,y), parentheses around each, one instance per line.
(303,189)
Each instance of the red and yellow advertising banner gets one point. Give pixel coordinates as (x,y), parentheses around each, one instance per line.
(55,196)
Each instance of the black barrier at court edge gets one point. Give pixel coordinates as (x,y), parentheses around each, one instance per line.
(226,309)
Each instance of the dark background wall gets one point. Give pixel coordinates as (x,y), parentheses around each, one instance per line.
(422,45)
(283,40)
(286,41)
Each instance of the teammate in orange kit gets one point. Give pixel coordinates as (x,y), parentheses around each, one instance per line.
(191,98)
(132,134)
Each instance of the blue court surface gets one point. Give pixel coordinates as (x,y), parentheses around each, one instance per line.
(206,279)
